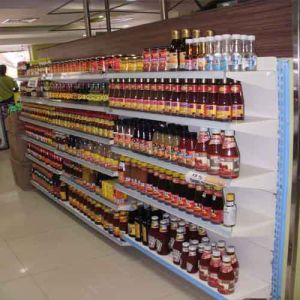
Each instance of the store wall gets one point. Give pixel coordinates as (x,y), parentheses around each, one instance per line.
(269,20)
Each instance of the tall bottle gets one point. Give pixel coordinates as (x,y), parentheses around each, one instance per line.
(204,263)
(224,102)
(153,95)
(201,58)
(252,58)
(236,56)
(244,52)
(183,106)
(146,94)
(214,268)
(201,159)
(209,54)
(217,53)
(174,50)
(212,100)
(237,102)
(167,96)
(214,152)
(185,34)
(230,211)
(217,206)
(175,97)
(153,233)
(177,246)
(189,54)
(192,98)
(201,99)
(195,48)
(226,279)
(226,52)
(230,157)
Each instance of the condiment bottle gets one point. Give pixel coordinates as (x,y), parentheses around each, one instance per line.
(182,192)
(195,48)
(201,59)
(146,222)
(202,89)
(167,96)
(192,98)
(224,102)
(175,97)
(177,247)
(192,233)
(182,146)
(161,184)
(173,228)
(214,152)
(214,268)
(160,108)
(184,255)
(221,246)
(190,197)
(153,232)
(209,53)
(174,50)
(175,198)
(217,53)
(192,260)
(146,95)
(226,52)
(154,95)
(230,210)
(138,223)
(234,261)
(206,202)
(185,34)
(212,100)
(200,251)
(162,241)
(139,94)
(217,206)
(191,141)
(204,263)
(201,148)
(201,234)
(237,102)
(236,55)
(226,279)
(131,220)
(189,54)
(198,200)
(230,157)
(183,106)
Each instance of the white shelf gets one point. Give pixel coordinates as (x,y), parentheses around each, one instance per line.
(68,179)
(79,215)
(61,103)
(250,177)
(42,164)
(87,164)
(255,125)
(246,287)
(249,224)
(38,143)
(68,131)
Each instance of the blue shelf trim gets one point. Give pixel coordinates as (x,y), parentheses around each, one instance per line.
(174,269)
(284,107)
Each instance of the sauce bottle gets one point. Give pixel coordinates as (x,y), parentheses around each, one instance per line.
(175,143)
(177,247)
(217,206)
(175,97)
(154,95)
(198,200)
(183,106)
(221,246)
(237,102)
(175,198)
(167,96)
(146,222)
(212,101)
(234,261)
(224,102)
(209,53)
(162,241)
(160,108)
(138,222)
(146,95)
(139,94)
(214,268)
(190,197)
(191,141)
(214,152)
(201,148)
(195,48)
(182,146)
(185,34)
(192,233)
(226,280)
(230,157)
(174,50)
(182,192)
(202,235)
(230,210)
(127,93)
(192,98)
(153,233)
(189,54)
(133,94)
(206,202)
(204,263)
(173,228)
(131,220)
(184,255)
(202,89)
(192,260)
(201,58)
(200,250)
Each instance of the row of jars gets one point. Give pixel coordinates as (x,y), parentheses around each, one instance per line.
(42,134)
(96,123)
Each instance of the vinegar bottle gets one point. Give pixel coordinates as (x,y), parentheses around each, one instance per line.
(214,152)
(230,157)
(226,280)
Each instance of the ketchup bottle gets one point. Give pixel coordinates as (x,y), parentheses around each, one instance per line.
(183,106)
(204,263)
(214,268)
(234,261)
(153,232)
(192,98)
(201,99)
(224,102)
(184,255)
(175,97)
(217,206)
(146,95)
(212,101)
(173,228)
(177,247)
(162,241)
(230,157)
(198,200)
(214,152)
(153,95)
(206,202)
(226,279)
(237,102)
(201,148)
(192,260)
(167,96)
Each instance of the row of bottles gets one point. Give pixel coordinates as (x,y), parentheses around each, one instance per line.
(213,99)
(214,152)
(96,123)
(187,244)
(48,157)
(46,179)
(171,188)
(39,133)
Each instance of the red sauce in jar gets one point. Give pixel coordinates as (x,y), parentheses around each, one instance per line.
(204,263)
(214,268)
(226,279)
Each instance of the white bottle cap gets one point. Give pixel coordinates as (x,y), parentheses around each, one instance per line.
(207,248)
(203,129)
(192,248)
(244,37)
(216,253)
(230,249)
(218,37)
(229,132)
(215,130)
(226,36)
(189,41)
(251,37)
(196,40)
(226,259)
(221,244)
(185,244)
(205,240)
(209,39)
(202,39)
(236,36)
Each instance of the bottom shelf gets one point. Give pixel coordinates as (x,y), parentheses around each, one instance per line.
(247,286)
(79,215)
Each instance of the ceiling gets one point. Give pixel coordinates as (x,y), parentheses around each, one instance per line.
(62,20)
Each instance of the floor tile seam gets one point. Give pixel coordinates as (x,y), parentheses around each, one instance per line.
(39,287)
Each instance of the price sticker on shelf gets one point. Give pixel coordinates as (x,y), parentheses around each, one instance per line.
(49,76)
(194,177)
(33,82)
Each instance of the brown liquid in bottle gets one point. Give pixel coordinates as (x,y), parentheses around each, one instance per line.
(153,233)
(237,108)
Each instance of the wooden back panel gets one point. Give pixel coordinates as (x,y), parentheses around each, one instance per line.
(269,20)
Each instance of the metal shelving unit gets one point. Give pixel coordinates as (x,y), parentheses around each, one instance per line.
(79,215)
(38,143)
(69,180)
(42,164)
(87,136)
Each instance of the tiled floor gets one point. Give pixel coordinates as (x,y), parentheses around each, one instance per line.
(47,254)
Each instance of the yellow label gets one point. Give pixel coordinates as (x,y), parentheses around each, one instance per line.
(211,111)
(137,230)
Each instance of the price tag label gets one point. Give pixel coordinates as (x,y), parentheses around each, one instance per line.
(194,177)
(49,76)
(33,82)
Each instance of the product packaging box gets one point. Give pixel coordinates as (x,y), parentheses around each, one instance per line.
(22,174)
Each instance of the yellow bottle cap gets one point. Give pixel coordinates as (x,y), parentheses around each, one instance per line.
(230,197)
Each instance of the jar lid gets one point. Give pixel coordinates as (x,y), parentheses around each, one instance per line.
(230,249)
(185,244)
(226,258)
(216,253)
(207,247)
(230,197)
(192,248)
(221,244)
